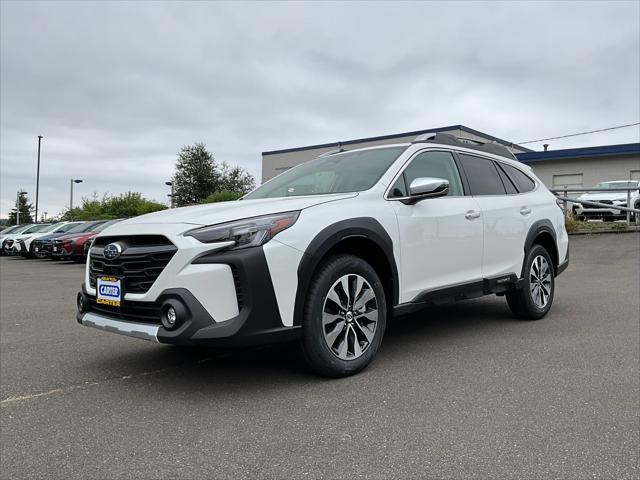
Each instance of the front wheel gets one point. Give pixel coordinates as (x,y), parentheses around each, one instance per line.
(534,299)
(344,317)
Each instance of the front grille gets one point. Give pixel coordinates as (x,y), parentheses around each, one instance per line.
(142,312)
(607,202)
(142,260)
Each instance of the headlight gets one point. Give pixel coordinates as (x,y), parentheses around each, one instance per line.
(248,232)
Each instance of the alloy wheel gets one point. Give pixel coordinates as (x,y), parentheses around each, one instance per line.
(349,317)
(540,281)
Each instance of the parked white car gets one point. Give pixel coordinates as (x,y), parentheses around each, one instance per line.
(328,251)
(8,242)
(23,244)
(618,199)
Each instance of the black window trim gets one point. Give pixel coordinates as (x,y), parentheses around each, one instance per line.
(456,161)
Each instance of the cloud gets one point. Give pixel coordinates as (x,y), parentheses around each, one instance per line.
(117,88)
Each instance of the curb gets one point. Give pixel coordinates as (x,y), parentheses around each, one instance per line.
(596,232)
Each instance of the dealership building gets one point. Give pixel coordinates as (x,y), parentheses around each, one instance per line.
(568,168)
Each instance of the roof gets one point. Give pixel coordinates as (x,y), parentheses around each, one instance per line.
(398,135)
(584,152)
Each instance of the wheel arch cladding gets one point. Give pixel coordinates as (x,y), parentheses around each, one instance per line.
(363,237)
(543,233)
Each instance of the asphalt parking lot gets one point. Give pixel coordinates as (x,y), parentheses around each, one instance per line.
(458,391)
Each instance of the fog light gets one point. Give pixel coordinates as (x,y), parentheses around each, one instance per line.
(171,316)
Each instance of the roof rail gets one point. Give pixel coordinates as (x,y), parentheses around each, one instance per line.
(447,139)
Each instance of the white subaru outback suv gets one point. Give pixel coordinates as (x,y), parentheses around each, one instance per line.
(328,251)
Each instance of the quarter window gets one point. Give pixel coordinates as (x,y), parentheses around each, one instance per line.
(506,181)
(429,164)
(522,181)
(482,175)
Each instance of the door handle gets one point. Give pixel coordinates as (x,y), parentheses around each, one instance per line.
(472,215)
(525,211)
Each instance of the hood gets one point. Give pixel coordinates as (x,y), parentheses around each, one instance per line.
(51,236)
(213,213)
(596,196)
(72,236)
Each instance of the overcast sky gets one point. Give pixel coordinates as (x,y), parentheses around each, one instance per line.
(117,88)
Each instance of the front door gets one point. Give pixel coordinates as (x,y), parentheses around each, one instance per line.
(441,239)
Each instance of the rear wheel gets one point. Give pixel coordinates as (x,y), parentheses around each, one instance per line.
(344,317)
(534,299)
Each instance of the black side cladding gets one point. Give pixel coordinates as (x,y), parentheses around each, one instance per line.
(543,226)
(329,237)
(259,318)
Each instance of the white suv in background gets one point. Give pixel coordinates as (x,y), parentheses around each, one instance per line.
(328,251)
(615,199)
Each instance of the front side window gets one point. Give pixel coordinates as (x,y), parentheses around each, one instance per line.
(482,175)
(429,164)
(339,173)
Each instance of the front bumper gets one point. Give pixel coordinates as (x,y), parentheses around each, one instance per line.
(256,319)
(588,211)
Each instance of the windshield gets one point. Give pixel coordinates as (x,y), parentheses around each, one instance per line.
(36,228)
(11,229)
(339,173)
(80,227)
(67,227)
(51,228)
(100,228)
(605,185)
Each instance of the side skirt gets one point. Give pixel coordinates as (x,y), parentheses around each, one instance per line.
(495,285)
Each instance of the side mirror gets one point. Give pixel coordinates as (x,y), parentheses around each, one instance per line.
(426,187)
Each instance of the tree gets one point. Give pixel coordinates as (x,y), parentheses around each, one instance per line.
(198,178)
(235,179)
(222,196)
(195,176)
(125,205)
(22,203)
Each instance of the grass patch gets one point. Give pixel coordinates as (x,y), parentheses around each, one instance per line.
(574,226)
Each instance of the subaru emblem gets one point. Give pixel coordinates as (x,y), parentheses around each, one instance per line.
(112,251)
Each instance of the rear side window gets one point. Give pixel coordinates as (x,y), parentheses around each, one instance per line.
(506,181)
(482,175)
(429,164)
(523,182)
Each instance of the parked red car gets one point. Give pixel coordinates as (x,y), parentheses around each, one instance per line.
(72,246)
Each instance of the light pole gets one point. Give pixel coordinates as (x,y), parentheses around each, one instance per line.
(38,177)
(170,184)
(20,192)
(71,182)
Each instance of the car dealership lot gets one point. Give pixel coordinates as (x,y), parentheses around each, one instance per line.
(458,391)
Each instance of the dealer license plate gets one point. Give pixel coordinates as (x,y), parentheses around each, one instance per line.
(109,291)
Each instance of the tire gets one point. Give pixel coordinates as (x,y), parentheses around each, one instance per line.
(530,302)
(341,337)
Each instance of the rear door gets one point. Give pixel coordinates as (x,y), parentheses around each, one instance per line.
(506,212)
(440,238)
